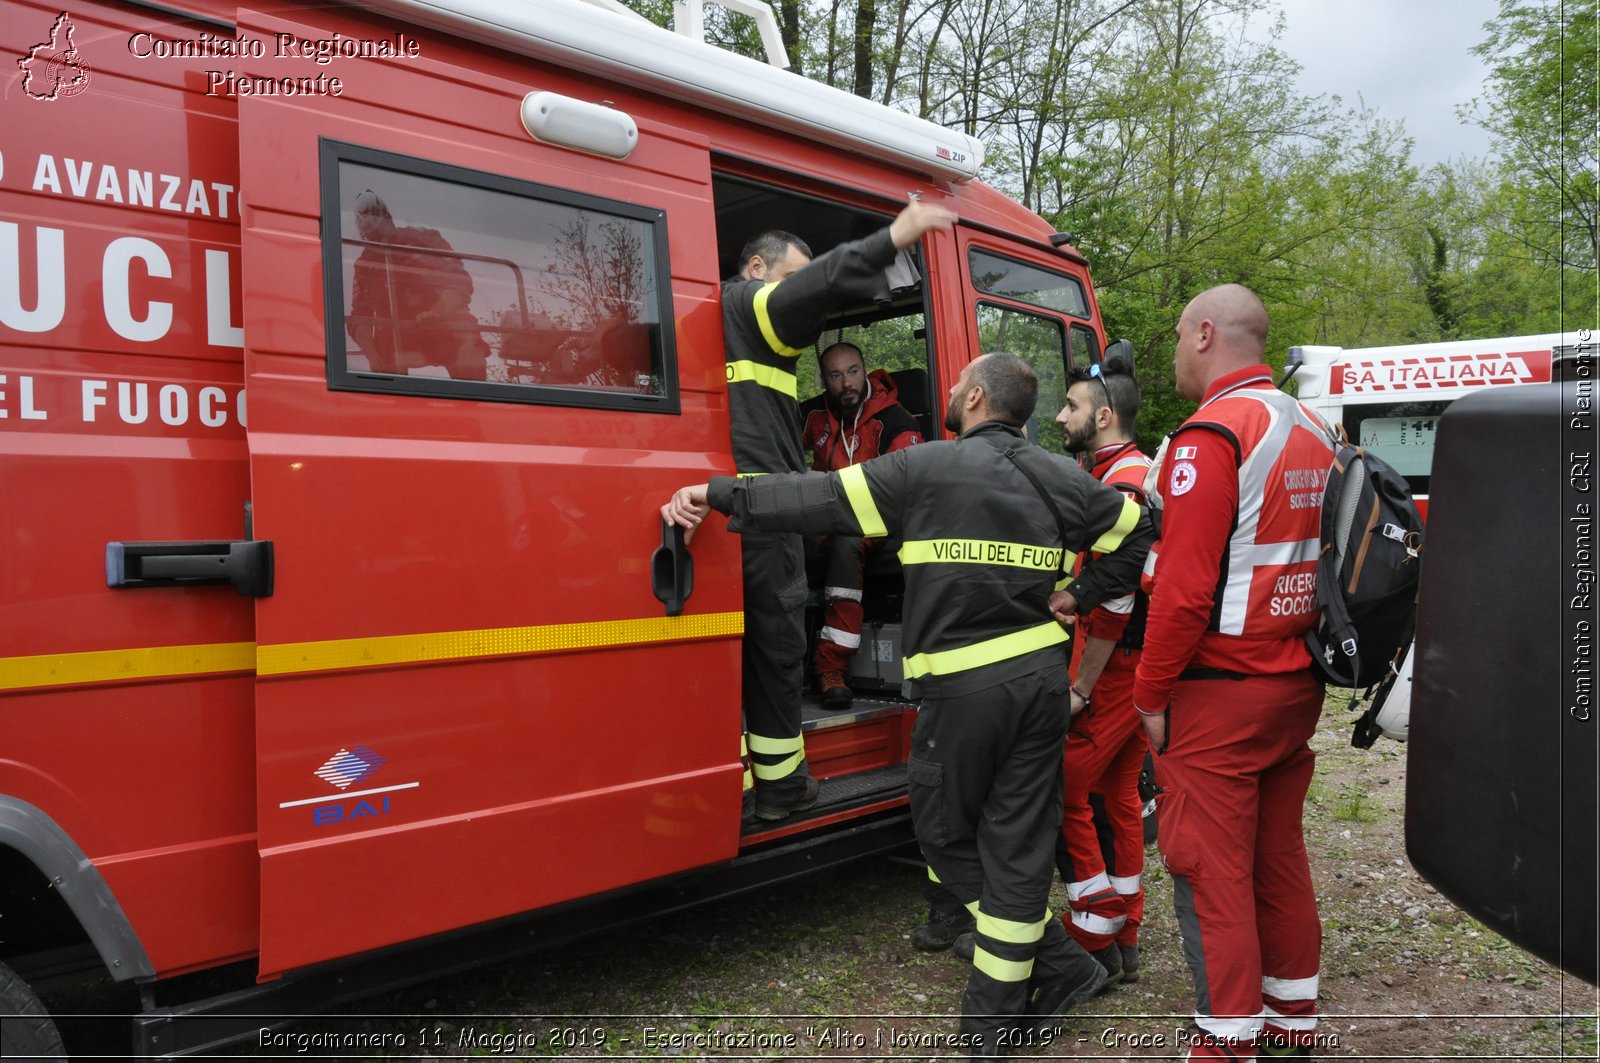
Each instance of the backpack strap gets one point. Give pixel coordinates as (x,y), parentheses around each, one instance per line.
(1061,524)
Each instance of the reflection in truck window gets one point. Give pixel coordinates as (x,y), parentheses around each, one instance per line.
(466,284)
(409,298)
(1038,341)
(1023,283)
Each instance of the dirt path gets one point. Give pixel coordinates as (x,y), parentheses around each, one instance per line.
(825,968)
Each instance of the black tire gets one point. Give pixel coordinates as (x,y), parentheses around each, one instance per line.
(26,1029)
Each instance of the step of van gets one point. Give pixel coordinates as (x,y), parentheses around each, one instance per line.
(857,754)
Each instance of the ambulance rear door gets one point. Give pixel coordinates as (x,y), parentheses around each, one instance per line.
(477,366)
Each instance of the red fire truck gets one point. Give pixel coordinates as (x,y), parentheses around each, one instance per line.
(346,354)
(1389,400)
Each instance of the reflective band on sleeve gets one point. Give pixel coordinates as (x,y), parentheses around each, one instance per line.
(1002,970)
(1010,930)
(854,482)
(768,376)
(1100,883)
(764,323)
(1112,539)
(983,552)
(946,662)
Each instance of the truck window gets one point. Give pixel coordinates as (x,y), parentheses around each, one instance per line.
(1023,283)
(443,281)
(1039,341)
(1401,433)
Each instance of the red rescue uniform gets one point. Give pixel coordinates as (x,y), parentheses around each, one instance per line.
(1232,597)
(1105,750)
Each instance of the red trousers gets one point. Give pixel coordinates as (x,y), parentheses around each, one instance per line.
(1105,750)
(1233,787)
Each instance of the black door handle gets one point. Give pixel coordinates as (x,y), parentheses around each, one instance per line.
(672,570)
(246,564)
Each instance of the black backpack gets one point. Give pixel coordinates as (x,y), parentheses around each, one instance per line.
(1368,568)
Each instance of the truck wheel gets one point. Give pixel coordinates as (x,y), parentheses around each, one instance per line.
(26,1030)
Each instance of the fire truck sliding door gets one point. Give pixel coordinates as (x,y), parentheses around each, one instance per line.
(469,703)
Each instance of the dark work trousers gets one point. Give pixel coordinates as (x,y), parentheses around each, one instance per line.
(985,782)
(774,657)
(1233,789)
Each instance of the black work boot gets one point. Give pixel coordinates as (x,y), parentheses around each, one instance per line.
(1110,958)
(792,801)
(1130,962)
(1064,976)
(941,930)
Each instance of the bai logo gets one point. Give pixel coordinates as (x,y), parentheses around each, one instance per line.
(55,70)
(347,768)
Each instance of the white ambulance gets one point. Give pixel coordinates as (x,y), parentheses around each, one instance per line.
(1389,400)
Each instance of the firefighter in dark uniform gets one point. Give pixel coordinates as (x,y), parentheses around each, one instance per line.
(771,311)
(983,519)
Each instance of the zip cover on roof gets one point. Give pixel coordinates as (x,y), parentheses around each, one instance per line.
(578,36)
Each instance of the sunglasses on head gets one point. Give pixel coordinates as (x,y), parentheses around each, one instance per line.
(1098,373)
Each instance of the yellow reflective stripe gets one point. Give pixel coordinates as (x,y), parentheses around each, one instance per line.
(1010,930)
(768,376)
(1112,539)
(291,658)
(775,746)
(144,662)
(1002,970)
(781,770)
(752,474)
(945,662)
(982,552)
(764,323)
(854,482)
(931,876)
(972,906)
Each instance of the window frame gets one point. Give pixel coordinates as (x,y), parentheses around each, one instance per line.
(663,338)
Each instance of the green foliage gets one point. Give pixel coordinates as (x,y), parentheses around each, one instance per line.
(1168,138)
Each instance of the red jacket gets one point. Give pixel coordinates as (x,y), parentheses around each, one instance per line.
(1233,587)
(880,425)
(1123,466)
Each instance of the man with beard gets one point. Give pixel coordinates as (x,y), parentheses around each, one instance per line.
(1106,742)
(988,525)
(860,417)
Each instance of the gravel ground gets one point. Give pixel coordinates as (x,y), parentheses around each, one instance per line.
(824,968)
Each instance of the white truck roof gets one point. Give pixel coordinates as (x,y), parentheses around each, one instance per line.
(580,36)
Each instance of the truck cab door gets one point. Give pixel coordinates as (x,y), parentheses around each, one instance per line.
(1031,301)
(477,366)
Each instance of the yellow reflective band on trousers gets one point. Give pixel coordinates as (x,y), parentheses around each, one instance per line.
(1009,930)
(1001,970)
(768,376)
(854,482)
(776,747)
(1112,539)
(982,552)
(764,323)
(744,759)
(948,662)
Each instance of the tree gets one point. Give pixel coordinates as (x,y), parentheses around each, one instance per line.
(1542,105)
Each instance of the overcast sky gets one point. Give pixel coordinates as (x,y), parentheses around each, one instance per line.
(1408,59)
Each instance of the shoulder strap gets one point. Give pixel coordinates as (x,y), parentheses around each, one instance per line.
(1061,524)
